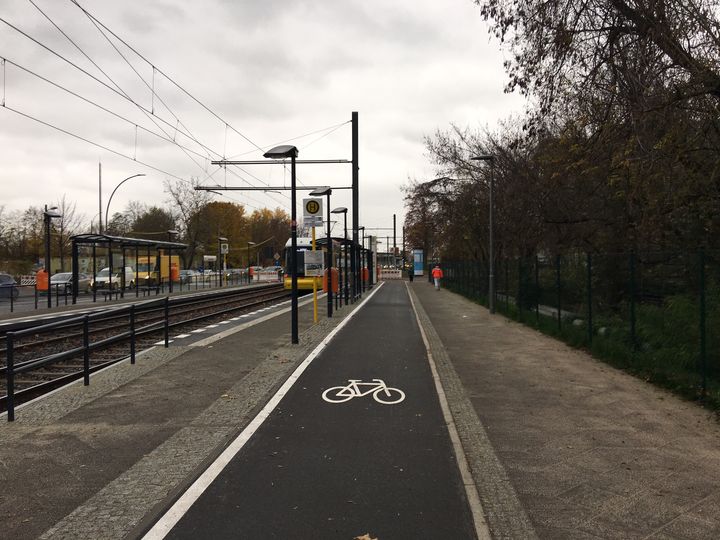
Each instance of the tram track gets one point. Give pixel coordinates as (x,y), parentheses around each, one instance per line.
(108,341)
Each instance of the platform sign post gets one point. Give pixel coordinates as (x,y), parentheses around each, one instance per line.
(312,217)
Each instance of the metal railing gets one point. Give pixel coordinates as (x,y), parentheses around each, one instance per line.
(12,369)
(653,313)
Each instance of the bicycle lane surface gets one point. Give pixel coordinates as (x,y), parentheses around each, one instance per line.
(315,469)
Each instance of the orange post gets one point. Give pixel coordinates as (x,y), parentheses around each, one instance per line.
(335,285)
(42,282)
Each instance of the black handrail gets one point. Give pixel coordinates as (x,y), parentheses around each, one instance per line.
(11,369)
(131,311)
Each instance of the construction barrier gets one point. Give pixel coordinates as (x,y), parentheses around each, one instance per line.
(389,273)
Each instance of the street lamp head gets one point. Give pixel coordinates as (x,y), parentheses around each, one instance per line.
(282,152)
(339,210)
(324,190)
(222,239)
(483,157)
(251,243)
(173,232)
(50,213)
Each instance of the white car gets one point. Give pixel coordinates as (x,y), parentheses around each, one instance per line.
(103,279)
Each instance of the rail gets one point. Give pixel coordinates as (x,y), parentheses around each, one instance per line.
(124,319)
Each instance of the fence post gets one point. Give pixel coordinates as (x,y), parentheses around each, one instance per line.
(167,322)
(10,376)
(537,289)
(520,296)
(589,298)
(86,350)
(559,294)
(507,286)
(703,343)
(132,333)
(633,337)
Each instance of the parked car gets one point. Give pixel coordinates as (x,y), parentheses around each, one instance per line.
(8,286)
(188,276)
(103,278)
(63,282)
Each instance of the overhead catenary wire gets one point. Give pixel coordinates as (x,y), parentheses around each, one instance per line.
(170,79)
(118,91)
(178,127)
(101,107)
(98,145)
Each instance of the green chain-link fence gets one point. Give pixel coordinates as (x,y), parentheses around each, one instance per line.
(654,314)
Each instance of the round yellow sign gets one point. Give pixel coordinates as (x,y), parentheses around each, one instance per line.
(312,207)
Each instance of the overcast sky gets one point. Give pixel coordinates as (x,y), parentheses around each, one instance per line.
(272,70)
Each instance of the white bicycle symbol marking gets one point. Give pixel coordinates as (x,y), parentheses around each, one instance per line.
(380,391)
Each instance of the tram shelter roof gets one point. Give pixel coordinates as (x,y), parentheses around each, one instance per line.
(107,240)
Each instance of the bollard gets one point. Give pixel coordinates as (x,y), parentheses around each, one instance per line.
(86,350)
(167,322)
(10,376)
(132,334)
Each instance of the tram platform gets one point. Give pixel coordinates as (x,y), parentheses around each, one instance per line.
(535,439)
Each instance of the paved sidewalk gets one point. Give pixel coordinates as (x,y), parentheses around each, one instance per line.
(590,451)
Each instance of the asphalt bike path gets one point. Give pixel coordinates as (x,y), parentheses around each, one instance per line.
(371,457)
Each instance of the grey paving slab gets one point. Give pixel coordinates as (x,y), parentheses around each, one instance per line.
(590,451)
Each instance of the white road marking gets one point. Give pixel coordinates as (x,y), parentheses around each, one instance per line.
(224,322)
(381,392)
(181,336)
(163,342)
(199,330)
(183,504)
(211,326)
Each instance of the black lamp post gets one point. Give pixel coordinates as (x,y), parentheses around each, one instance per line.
(342,210)
(248,250)
(327,191)
(283,152)
(48,215)
(491,262)
(221,239)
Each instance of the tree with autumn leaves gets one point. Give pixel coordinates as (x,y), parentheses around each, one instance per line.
(619,152)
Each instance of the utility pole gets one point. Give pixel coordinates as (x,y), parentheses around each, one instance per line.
(355,205)
(100,221)
(394,243)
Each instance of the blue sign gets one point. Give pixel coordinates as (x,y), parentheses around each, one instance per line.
(418,262)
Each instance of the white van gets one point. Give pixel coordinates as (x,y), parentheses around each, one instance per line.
(103,279)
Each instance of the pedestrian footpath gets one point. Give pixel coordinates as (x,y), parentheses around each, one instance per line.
(588,450)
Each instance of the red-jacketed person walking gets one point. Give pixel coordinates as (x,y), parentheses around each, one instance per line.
(437,275)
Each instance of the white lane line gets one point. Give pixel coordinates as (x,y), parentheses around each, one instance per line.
(181,336)
(198,331)
(481,526)
(211,326)
(163,342)
(183,504)
(224,322)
